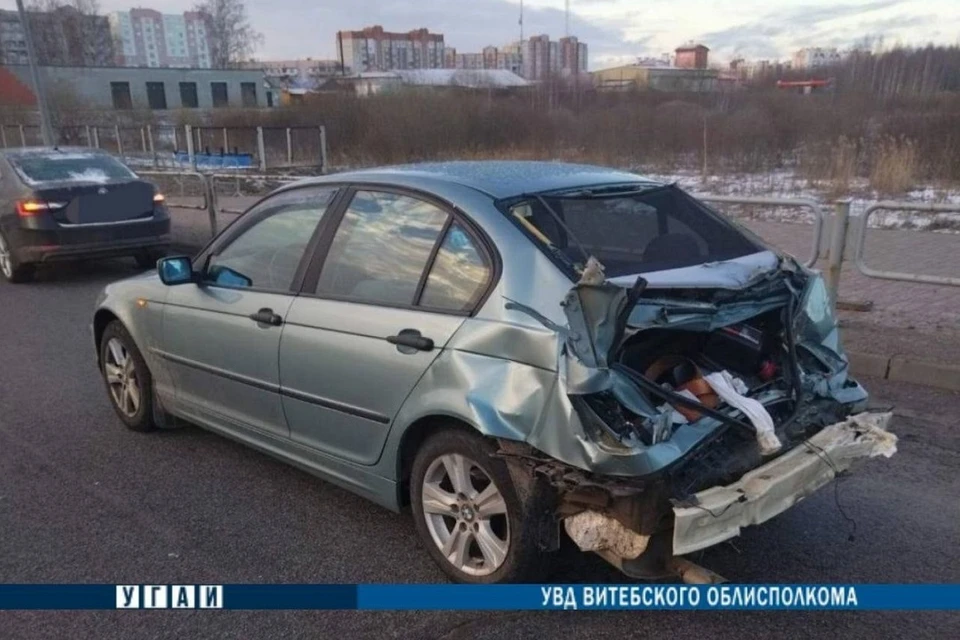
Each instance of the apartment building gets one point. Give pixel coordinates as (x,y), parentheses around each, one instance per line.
(813,57)
(373,49)
(63,36)
(148,38)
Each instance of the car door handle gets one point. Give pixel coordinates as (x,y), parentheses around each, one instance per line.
(410,341)
(266,316)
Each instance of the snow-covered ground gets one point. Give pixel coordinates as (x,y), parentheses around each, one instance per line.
(786,184)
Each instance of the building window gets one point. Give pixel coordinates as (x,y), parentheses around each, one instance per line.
(156,95)
(120,91)
(218,91)
(248,94)
(188,95)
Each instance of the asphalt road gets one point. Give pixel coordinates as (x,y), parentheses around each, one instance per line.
(84,500)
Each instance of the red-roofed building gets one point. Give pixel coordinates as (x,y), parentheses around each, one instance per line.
(691,56)
(14,93)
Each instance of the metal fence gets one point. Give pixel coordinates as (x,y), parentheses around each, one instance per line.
(839,225)
(191,147)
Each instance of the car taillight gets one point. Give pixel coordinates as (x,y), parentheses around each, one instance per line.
(158,198)
(26,208)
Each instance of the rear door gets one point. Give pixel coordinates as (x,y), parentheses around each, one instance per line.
(400,274)
(222,336)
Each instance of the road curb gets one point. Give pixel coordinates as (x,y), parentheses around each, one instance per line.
(902,368)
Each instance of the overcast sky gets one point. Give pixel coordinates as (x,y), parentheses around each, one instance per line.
(615,30)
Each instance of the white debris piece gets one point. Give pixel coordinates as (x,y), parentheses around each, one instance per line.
(731,391)
(89,175)
(593,531)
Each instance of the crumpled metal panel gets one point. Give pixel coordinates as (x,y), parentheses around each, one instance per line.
(522,368)
(719,513)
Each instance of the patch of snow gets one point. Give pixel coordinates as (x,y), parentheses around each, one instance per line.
(89,175)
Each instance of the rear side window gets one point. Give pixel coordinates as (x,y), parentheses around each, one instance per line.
(381,248)
(70,167)
(459,274)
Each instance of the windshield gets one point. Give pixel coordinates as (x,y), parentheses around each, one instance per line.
(651,230)
(70,167)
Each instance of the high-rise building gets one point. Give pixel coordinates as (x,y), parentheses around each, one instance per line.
(62,37)
(536,58)
(373,49)
(814,57)
(148,38)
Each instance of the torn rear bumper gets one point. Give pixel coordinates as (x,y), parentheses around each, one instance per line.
(719,513)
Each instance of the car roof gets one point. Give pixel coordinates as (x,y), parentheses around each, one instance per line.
(20,152)
(497,178)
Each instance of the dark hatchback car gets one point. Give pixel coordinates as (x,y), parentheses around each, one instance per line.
(69,203)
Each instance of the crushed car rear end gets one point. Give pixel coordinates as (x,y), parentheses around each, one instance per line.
(699,398)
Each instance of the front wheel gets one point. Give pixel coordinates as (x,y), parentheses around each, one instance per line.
(467,513)
(128,380)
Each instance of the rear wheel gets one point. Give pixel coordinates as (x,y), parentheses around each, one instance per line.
(128,380)
(11,269)
(467,512)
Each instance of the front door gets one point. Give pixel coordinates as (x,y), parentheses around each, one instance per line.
(400,276)
(221,337)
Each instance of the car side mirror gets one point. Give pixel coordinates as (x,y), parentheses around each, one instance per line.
(175,270)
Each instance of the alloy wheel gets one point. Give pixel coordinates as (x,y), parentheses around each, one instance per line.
(466,514)
(121,375)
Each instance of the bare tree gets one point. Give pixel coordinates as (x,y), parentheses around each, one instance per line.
(70,32)
(232,39)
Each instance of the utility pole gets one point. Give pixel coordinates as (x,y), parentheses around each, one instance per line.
(46,126)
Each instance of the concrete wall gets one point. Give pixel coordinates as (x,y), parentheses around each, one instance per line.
(91,85)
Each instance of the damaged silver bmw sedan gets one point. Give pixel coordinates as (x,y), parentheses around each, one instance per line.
(515,349)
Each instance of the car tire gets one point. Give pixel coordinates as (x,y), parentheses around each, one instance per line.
(13,270)
(127,378)
(148,259)
(510,551)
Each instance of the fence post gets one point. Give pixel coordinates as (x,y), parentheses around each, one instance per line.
(323,149)
(153,152)
(261,149)
(3,135)
(289,147)
(96,137)
(188,132)
(226,141)
(838,242)
(143,140)
(116,129)
(211,204)
(89,136)
(23,137)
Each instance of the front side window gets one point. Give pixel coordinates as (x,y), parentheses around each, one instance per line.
(267,254)
(632,230)
(381,248)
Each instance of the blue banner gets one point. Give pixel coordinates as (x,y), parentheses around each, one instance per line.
(860,597)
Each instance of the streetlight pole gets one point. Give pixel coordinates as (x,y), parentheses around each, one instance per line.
(46,127)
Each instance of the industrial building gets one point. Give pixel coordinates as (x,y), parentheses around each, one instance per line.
(689,73)
(134,88)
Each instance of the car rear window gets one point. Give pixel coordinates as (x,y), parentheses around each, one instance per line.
(641,231)
(70,167)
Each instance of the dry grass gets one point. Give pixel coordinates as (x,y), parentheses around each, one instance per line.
(895,166)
